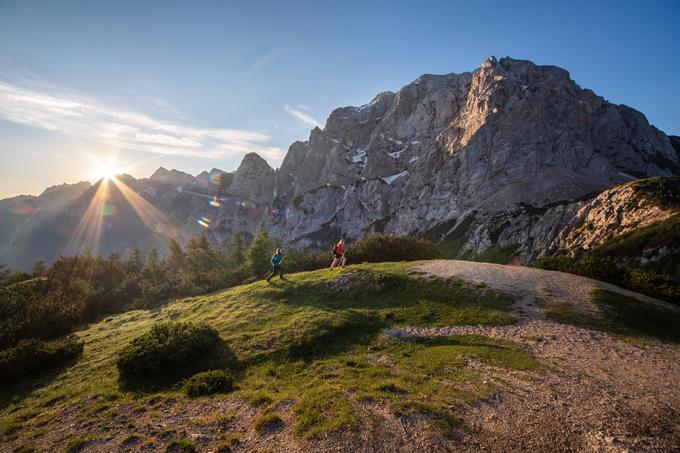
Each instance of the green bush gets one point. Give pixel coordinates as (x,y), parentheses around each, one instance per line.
(31,357)
(168,349)
(209,383)
(375,248)
(381,248)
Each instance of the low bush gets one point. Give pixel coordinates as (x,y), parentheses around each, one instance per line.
(209,383)
(375,248)
(382,248)
(168,349)
(31,357)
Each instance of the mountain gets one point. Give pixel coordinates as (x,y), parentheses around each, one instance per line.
(498,157)
(503,158)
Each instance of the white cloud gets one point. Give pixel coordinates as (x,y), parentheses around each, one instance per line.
(303,117)
(56,110)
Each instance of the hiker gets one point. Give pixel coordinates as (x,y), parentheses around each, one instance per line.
(339,254)
(277,260)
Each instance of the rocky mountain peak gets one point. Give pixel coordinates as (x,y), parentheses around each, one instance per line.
(253,165)
(171,176)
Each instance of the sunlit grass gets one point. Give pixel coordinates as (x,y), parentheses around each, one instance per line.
(303,341)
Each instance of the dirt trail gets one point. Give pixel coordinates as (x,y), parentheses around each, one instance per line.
(601,394)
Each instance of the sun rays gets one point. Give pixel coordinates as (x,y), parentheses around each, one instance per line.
(88,232)
(152,217)
(87,236)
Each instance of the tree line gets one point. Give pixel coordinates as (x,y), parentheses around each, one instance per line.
(53,300)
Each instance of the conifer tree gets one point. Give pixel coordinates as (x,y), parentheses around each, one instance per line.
(176,259)
(237,249)
(259,253)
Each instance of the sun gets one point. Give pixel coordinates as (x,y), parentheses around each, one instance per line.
(106,169)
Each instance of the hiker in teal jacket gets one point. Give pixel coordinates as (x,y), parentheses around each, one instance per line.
(277,261)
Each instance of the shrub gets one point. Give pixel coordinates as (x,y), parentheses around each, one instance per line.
(30,357)
(375,248)
(380,248)
(208,383)
(169,348)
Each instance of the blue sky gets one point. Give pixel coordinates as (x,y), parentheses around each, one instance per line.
(195,85)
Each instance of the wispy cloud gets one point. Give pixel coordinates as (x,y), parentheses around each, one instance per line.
(261,61)
(301,116)
(57,110)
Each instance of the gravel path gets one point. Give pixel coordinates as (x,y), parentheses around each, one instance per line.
(601,393)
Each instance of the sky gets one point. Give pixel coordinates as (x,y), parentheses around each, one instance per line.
(196,85)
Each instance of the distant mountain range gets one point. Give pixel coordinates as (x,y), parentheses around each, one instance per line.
(513,156)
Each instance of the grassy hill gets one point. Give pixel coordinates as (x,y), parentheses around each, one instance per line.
(315,346)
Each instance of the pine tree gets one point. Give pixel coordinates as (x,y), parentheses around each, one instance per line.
(152,266)
(237,250)
(200,255)
(135,262)
(176,259)
(259,253)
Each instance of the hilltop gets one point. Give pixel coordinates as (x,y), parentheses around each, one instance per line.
(381,357)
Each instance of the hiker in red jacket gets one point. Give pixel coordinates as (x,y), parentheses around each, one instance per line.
(339,255)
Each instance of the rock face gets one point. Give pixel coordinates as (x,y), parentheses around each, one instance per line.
(496,157)
(513,156)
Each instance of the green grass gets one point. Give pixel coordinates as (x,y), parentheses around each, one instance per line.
(184,445)
(26,448)
(267,421)
(622,315)
(75,445)
(226,446)
(304,342)
(629,316)
(132,438)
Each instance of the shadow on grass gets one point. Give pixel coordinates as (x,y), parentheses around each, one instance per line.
(622,315)
(629,316)
(335,338)
(220,357)
(14,394)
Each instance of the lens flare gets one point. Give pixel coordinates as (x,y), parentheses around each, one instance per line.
(204,222)
(215,202)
